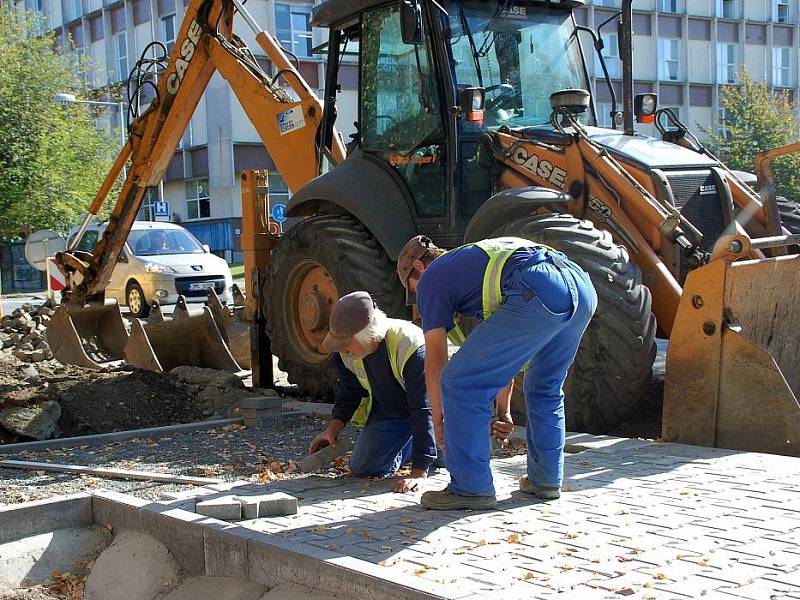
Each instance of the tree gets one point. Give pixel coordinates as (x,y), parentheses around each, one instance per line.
(52,157)
(757,119)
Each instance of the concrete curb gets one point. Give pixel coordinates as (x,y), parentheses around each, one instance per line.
(43,516)
(118,436)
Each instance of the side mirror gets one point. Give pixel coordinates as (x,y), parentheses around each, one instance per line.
(471,103)
(411,22)
(644,107)
(207,248)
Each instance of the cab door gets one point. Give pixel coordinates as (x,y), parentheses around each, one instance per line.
(400,111)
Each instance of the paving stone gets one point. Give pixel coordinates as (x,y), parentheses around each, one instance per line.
(322,458)
(224,508)
(267,505)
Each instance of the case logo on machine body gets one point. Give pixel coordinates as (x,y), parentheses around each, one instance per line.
(188,46)
(706,190)
(542,168)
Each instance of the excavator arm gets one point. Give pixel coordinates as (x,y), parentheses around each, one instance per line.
(288,126)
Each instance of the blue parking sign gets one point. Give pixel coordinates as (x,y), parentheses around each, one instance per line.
(279,212)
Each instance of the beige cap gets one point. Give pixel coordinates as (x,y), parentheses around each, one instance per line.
(351,314)
(415,249)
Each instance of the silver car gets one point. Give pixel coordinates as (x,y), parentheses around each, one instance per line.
(161,261)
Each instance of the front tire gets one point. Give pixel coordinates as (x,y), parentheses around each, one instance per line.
(318,261)
(137,304)
(613,365)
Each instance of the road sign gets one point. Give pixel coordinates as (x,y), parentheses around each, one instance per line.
(41,244)
(161,209)
(57,281)
(279,212)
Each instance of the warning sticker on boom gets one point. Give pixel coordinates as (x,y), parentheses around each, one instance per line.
(291,119)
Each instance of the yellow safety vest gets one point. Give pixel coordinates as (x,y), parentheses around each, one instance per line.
(403,339)
(499,251)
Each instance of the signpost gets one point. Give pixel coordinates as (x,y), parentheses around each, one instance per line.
(40,247)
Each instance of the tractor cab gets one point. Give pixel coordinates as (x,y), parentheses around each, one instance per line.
(435,78)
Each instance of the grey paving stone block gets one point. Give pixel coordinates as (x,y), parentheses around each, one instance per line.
(261,402)
(263,420)
(322,458)
(224,508)
(43,516)
(267,505)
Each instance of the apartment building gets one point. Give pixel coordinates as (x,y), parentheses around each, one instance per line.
(686,50)
(201,186)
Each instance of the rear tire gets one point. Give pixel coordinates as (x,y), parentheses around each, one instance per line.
(614,361)
(318,261)
(137,304)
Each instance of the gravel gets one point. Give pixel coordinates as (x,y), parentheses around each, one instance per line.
(231,453)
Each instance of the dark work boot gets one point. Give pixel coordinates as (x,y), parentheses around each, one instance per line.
(543,492)
(447,500)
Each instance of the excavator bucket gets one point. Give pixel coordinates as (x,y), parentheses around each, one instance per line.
(733,372)
(232,325)
(90,336)
(192,340)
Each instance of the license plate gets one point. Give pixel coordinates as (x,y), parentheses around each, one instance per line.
(201,285)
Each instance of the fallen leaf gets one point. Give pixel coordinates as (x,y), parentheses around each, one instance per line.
(571,536)
(527,577)
(350,531)
(513,539)
(480,542)
(332,547)
(421,571)
(566,488)
(406,519)
(319,528)
(386,548)
(660,576)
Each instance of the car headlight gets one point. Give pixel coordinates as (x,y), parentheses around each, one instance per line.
(157,268)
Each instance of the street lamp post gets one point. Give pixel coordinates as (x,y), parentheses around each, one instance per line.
(65,98)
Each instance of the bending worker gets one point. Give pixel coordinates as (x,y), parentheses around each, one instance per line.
(381,389)
(535,305)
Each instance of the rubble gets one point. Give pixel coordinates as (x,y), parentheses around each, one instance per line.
(37,421)
(22,333)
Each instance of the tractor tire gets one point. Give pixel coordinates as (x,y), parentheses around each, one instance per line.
(316,262)
(615,358)
(790,214)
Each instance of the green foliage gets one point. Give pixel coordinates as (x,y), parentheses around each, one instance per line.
(757,120)
(52,157)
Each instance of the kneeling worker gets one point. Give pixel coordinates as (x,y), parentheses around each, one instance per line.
(381,389)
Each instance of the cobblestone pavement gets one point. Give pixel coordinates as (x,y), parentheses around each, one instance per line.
(638,519)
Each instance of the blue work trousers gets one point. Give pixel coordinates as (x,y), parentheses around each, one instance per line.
(382,447)
(548,303)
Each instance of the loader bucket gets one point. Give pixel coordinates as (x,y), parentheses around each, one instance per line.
(193,341)
(101,326)
(733,373)
(233,327)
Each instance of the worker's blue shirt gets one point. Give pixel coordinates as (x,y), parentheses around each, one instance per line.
(390,400)
(453,283)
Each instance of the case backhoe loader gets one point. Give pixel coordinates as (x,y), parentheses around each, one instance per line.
(476,119)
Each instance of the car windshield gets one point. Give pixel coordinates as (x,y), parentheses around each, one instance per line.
(153,242)
(519,54)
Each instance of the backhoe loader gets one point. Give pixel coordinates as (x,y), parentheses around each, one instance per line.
(476,119)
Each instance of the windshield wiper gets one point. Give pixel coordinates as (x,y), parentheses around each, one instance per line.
(465,26)
(489,41)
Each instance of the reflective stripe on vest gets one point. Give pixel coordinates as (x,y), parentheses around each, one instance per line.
(403,339)
(499,250)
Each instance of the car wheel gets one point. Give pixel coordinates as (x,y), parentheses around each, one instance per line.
(136,301)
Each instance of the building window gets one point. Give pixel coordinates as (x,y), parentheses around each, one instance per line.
(604,115)
(669,6)
(676,110)
(726,9)
(726,63)
(293,28)
(608,3)
(668,63)
(723,121)
(77,9)
(611,56)
(149,200)
(278,190)
(121,55)
(780,11)
(198,202)
(168,32)
(781,57)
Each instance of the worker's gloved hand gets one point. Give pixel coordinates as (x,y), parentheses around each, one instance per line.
(326,438)
(410,484)
(502,427)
